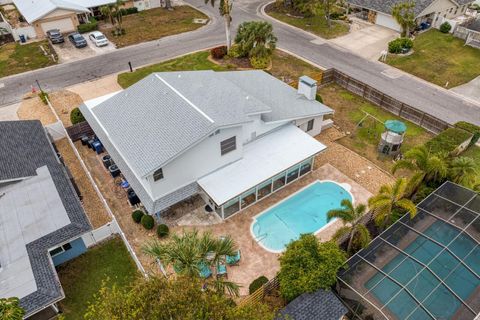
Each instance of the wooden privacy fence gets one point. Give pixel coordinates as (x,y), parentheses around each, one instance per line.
(269,287)
(384,101)
(77,131)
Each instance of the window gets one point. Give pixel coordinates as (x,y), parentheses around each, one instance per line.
(231,207)
(310,124)
(264,189)
(61,249)
(157,175)
(292,173)
(228,145)
(306,166)
(279,181)
(248,198)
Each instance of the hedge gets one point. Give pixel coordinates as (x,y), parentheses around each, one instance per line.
(137,215)
(76,116)
(257,284)
(470,127)
(147,222)
(448,140)
(87,27)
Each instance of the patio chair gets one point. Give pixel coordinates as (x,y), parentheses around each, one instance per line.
(204,270)
(222,270)
(235,259)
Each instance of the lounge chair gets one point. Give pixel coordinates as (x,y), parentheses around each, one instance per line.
(235,259)
(221,269)
(204,270)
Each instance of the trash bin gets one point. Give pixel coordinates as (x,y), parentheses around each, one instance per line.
(132,197)
(85,140)
(97,146)
(23,39)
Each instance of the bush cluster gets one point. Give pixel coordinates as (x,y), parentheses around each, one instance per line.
(76,116)
(473,129)
(447,141)
(87,27)
(162,230)
(235,51)
(126,12)
(445,27)
(260,62)
(147,222)
(137,215)
(337,16)
(257,284)
(399,44)
(219,52)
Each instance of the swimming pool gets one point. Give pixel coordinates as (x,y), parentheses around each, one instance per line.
(303,212)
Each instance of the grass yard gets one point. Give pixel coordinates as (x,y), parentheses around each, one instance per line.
(350,110)
(82,277)
(284,66)
(16,58)
(154,24)
(316,24)
(440,58)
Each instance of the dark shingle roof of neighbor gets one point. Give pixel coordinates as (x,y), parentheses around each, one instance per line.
(24,147)
(386,6)
(320,305)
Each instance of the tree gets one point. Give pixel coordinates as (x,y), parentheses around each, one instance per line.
(308,265)
(169,299)
(390,200)
(350,217)
(404,14)
(326,6)
(188,252)
(463,170)
(114,14)
(225,9)
(10,309)
(256,39)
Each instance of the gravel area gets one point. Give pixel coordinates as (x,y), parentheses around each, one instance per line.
(32,108)
(92,204)
(63,102)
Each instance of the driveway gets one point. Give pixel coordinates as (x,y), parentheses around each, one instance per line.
(367,41)
(67,52)
(470,90)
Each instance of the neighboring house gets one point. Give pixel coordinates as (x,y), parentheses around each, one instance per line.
(65,15)
(41,218)
(321,305)
(432,11)
(232,137)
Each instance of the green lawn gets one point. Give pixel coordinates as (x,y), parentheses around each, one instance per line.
(16,58)
(350,109)
(316,24)
(440,58)
(82,277)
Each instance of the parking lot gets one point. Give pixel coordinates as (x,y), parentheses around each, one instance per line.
(67,52)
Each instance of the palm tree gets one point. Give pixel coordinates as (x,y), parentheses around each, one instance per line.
(225,9)
(188,252)
(10,309)
(403,12)
(463,170)
(427,167)
(256,38)
(114,14)
(350,217)
(390,199)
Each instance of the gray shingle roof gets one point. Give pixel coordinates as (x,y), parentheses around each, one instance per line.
(24,146)
(320,305)
(164,114)
(386,6)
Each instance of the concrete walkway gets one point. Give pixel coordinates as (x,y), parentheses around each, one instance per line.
(470,90)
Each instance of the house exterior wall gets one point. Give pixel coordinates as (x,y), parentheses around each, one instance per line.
(317,125)
(196,162)
(78,247)
(443,9)
(258,127)
(63,14)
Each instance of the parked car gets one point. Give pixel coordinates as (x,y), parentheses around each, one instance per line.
(55,36)
(98,38)
(77,39)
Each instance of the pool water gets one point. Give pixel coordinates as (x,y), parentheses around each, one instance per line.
(303,212)
(426,288)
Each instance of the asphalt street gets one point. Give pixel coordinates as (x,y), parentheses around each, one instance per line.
(410,90)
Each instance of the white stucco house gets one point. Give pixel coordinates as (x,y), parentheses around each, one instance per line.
(434,12)
(231,137)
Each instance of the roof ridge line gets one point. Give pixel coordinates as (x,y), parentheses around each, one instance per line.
(184,98)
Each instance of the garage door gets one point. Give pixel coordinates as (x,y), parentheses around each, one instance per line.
(387,21)
(64,25)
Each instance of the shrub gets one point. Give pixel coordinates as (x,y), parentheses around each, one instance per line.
(137,215)
(43,96)
(219,52)
(473,129)
(76,116)
(162,230)
(147,222)
(235,51)
(319,98)
(260,62)
(399,44)
(447,141)
(87,27)
(308,265)
(445,27)
(257,284)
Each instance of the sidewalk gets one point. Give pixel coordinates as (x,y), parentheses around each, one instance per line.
(96,88)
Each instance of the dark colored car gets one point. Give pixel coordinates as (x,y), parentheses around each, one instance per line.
(55,36)
(77,39)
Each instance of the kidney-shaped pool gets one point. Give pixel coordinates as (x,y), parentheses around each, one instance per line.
(303,212)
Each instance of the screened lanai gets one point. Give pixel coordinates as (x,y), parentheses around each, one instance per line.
(427,267)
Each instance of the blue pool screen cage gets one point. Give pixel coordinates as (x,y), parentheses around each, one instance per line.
(423,268)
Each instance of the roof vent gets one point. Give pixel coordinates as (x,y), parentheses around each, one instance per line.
(307,87)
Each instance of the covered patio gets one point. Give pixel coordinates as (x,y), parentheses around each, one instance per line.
(268,165)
